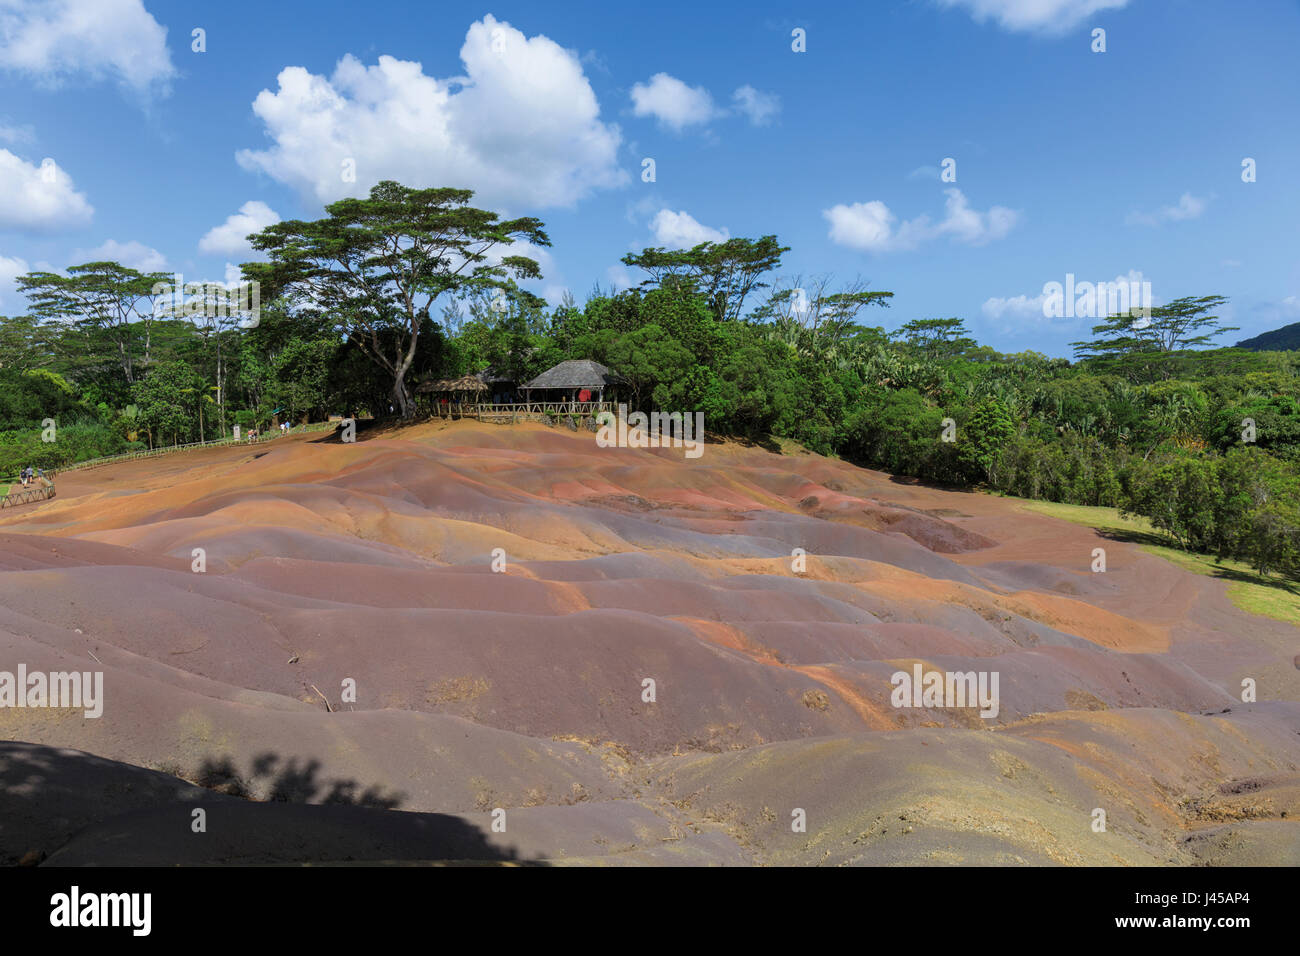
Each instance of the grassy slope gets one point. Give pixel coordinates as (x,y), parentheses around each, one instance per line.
(1273,597)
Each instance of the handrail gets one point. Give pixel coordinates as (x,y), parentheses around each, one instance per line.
(168,449)
(482,409)
(27,496)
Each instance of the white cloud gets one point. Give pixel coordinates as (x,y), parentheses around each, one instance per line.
(10,269)
(672,102)
(680,230)
(38,198)
(54,39)
(863,225)
(1015,310)
(1015,307)
(971,226)
(1187,207)
(925,172)
(521,128)
(1040,16)
(759,107)
(133,255)
(870,226)
(231,237)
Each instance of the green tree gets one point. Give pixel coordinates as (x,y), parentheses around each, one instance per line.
(102,302)
(725,273)
(374,267)
(167,400)
(937,338)
(1141,342)
(648,358)
(981,439)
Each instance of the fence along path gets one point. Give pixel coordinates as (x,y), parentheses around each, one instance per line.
(46,491)
(28,495)
(168,449)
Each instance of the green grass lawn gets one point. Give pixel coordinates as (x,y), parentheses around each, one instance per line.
(1270,596)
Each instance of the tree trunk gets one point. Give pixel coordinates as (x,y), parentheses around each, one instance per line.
(401,397)
(221,388)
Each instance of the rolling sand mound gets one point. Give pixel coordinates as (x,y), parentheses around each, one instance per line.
(498,595)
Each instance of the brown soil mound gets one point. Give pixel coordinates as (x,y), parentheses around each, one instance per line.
(639,657)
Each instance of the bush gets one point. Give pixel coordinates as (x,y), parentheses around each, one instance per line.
(73,443)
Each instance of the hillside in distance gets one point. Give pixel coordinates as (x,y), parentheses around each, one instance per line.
(1285,339)
(499,596)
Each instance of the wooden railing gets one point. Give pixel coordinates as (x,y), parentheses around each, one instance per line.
(168,449)
(28,495)
(512,410)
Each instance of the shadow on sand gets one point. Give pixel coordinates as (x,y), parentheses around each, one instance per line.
(68,808)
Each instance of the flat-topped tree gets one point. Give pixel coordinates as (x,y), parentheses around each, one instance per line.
(99,299)
(1138,343)
(816,322)
(374,267)
(937,338)
(725,273)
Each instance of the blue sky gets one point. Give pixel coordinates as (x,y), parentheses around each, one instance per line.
(1100,164)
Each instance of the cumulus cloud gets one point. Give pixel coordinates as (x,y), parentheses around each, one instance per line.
(1187,207)
(672,102)
(231,237)
(39,198)
(759,107)
(53,40)
(1038,16)
(680,230)
(862,225)
(133,255)
(1015,307)
(872,227)
(521,128)
(677,106)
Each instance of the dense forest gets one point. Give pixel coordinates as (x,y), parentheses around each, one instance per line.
(358,307)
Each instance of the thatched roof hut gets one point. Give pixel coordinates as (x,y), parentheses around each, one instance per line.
(574,376)
(466,383)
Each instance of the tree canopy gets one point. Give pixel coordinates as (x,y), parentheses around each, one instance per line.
(374,267)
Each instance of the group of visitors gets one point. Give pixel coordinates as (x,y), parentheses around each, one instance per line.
(28,475)
(254,433)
